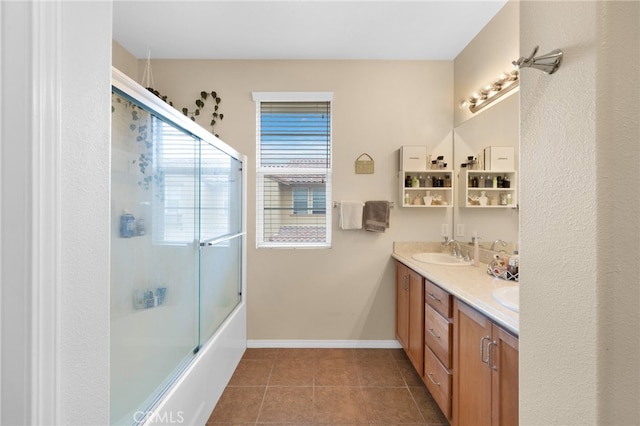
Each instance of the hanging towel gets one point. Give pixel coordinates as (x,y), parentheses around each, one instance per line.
(351,214)
(376,216)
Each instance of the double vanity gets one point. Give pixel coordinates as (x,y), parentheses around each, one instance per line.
(459,328)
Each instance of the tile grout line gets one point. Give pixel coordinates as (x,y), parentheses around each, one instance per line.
(424,421)
(266,387)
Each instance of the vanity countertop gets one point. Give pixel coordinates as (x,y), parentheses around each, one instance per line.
(470,284)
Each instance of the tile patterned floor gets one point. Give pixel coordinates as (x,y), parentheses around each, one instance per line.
(326,387)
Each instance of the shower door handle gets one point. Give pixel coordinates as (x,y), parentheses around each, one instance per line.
(207,244)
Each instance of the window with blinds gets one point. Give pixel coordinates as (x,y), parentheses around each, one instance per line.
(293,175)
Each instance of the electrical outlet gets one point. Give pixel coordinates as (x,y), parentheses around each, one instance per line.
(460,230)
(444,230)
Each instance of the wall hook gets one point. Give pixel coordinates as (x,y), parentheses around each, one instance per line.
(548,63)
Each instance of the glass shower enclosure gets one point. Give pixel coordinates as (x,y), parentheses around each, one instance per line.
(176,246)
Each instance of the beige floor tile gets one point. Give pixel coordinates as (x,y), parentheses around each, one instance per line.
(295,353)
(252,372)
(259,353)
(338,405)
(287,405)
(409,373)
(427,406)
(336,372)
(372,354)
(391,406)
(334,353)
(315,387)
(398,354)
(238,405)
(379,372)
(292,372)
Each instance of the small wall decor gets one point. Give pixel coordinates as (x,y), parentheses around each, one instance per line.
(364,166)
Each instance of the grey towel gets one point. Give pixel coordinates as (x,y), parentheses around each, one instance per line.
(376,215)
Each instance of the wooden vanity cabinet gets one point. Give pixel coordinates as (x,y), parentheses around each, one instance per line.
(410,314)
(438,354)
(485,389)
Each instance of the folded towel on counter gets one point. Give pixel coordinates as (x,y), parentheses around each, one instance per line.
(351,214)
(376,215)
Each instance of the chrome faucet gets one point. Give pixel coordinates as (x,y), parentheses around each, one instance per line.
(502,243)
(455,250)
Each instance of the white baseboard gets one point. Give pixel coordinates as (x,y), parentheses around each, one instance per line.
(364,344)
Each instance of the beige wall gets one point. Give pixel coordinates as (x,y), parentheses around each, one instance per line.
(124,61)
(580,304)
(346,292)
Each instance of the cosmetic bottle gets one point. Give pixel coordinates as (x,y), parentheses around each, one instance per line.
(127,225)
(476,250)
(514,264)
(505,182)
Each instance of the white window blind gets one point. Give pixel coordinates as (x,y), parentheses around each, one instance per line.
(293,187)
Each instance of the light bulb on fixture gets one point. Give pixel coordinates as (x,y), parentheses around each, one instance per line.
(493,91)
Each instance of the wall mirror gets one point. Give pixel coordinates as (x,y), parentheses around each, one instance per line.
(495,126)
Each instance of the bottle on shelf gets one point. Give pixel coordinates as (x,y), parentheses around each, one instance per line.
(514,264)
(428,199)
(415,183)
(127,225)
(483,198)
(488,183)
(407,181)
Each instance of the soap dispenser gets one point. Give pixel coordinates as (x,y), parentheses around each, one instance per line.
(476,250)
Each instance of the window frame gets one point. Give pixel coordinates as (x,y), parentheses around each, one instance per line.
(261,171)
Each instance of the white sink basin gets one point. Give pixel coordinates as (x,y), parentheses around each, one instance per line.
(509,297)
(440,259)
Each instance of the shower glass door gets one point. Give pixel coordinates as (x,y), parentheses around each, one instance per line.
(220,238)
(155,193)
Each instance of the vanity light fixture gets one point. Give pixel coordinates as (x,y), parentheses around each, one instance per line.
(492,91)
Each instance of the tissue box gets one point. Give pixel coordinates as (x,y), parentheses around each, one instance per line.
(413,158)
(499,158)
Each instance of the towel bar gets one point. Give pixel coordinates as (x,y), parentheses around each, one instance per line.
(337,204)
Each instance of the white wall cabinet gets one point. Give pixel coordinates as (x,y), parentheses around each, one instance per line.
(434,190)
(490,191)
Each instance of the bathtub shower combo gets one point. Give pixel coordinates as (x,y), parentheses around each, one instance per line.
(178,316)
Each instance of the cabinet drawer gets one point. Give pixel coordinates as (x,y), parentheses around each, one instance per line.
(438,380)
(438,298)
(438,335)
